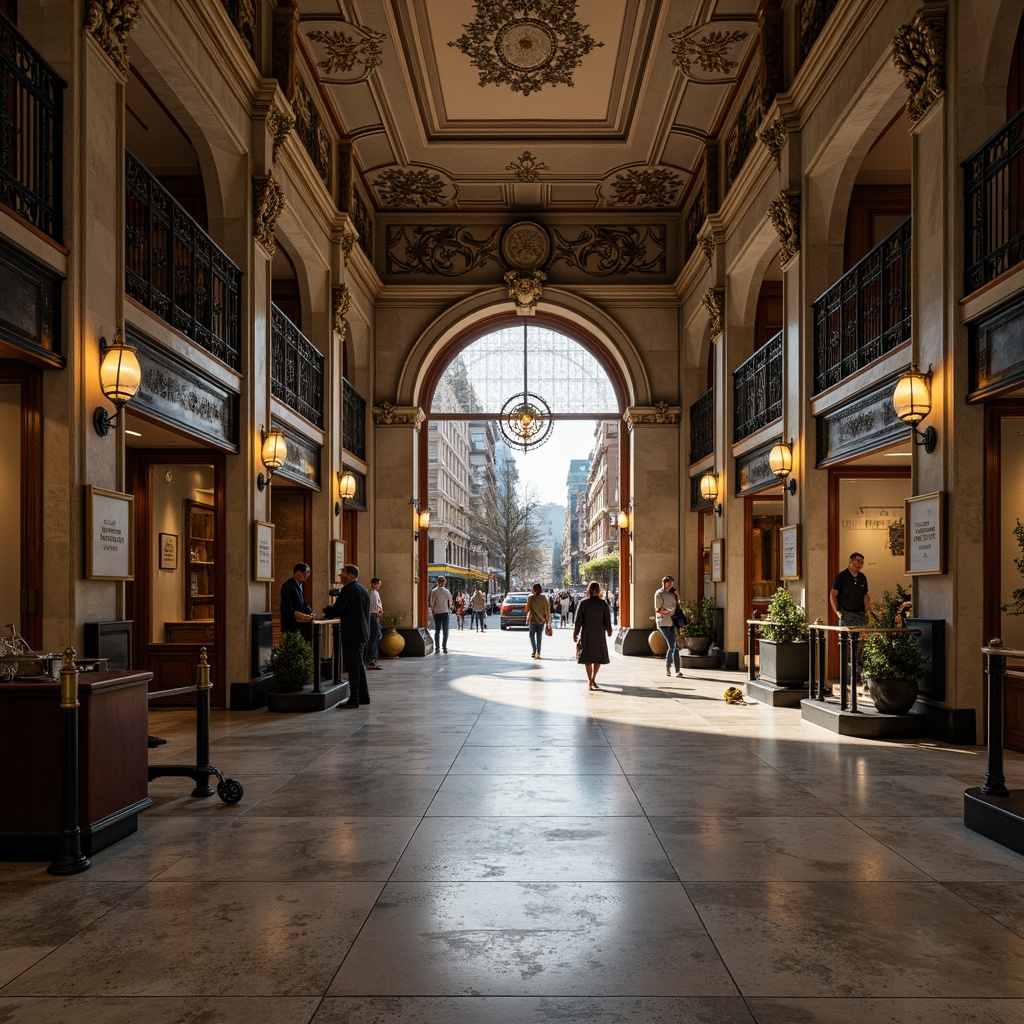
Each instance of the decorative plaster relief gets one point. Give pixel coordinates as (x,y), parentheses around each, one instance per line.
(919,53)
(341,303)
(784,213)
(643,187)
(349,54)
(703,49)
(525,45)
(661,414)
(525,292)
(267,204)
(109,22)
(713,300)
(865,423)
(706,244)
(303,461)
(774,135)
(525,246)
(389,415)
(413,187)
(449,251)
(279,125)
(605,250)
(527,168)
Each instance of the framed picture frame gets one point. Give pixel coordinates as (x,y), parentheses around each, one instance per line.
(925,547)
(789,545)
(718,560)
(337,559)
(168,551)
(109,534)
(263,552)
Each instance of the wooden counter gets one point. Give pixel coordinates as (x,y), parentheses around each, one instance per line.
(113,755)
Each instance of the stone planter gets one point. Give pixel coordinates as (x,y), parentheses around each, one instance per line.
(892,696)
(392,643)
(783,664)
(697,646)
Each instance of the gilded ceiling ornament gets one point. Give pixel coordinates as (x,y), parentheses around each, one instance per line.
(525,291)
(345,52)
(919,53)
(348,241)
(396,187)
(709,52)
(526,167)
(341,303)
(706,243)
(109,22)
(784,213)
(279,124)
(713,300)
(525,45)
(774,135)
(525,246)
(267,204)
(653,186)
(390,415)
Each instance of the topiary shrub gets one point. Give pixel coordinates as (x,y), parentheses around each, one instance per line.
(786,620)
(291,662)
(889,656)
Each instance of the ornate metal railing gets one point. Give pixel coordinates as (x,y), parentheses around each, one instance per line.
(243,16)
(757,389)
(175,269)
(812,16)
(31,134)
(994,206)
(866,313)
(702,426)
(353,420)
(296,369)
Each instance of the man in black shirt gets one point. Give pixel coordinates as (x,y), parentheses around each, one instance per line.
(849,595)
(352,607)
(294,607)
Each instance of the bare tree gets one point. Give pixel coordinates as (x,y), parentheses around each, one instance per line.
(508,521)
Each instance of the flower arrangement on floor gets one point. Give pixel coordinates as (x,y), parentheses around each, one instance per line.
(733,696)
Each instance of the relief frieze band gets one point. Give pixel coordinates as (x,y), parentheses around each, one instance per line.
(865,423)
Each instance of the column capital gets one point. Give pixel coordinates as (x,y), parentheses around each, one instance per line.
(661,414)
(389,415)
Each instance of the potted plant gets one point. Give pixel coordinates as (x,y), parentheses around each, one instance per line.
(783,644)
(698,632)
(392,643)
(1016,605)
(891,662)
(291,663)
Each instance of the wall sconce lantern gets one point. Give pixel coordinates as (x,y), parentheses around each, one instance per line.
(120,379)
(709,490)
(346,490)
(624,518)
(912,401)
(420,518)
(273,455)
(780,462)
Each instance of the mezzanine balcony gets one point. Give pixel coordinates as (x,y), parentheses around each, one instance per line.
(757,389)
(353,421)
(296,369)
(702,426)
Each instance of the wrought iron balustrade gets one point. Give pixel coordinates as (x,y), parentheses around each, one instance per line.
(994,206)
(175,269)
(243,16)
(353,420)
(702,426)
(866,313)
(31,134)
(296,369)
(757,389)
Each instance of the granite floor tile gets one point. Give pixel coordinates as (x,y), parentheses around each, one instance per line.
(386,759)
(755,795)
(534,849)
(589,759)
(503,938)
(127,1010)
(1002,901)
(311,795)
(525,795)
(870,794)
(891,1011)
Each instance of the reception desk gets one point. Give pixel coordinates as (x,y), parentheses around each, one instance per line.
(113,758)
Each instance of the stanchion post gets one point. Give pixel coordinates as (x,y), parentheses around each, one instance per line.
(70,859)
(316,657)
(812,661)
(854,644)
(822,663)
(336,651)
(995,781)
(751,638)
(203,686)
(844,650)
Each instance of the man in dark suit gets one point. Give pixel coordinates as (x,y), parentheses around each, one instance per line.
(294,607)
(352,609)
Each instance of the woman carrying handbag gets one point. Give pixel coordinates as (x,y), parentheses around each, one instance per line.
(538,618)
(593,623)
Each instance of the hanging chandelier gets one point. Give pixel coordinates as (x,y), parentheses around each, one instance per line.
(525,418)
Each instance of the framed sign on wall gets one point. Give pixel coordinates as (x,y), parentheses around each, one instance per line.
(718,560)
(925,550)
(263,552)
(339,560)
(168,551)
(109,534)
(789,543)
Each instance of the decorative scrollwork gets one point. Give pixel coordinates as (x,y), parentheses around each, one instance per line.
(109,22)
(919,53)
(603,251)
(413,187)
(645,186)
(389,415)
(661,413)
(713,300)
(527,167)
(267,204)
(345,51)
(341,303)
(709,53)
(706,244)
(784,213)
(348,243)
(279,124)
(774,135)
(449,251)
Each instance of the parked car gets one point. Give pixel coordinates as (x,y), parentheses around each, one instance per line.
(513,610)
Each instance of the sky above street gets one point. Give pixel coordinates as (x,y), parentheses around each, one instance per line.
(547,468)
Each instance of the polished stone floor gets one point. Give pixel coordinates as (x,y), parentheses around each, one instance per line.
(490,842)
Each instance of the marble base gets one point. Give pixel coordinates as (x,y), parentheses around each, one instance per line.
(999,818)
(776,696)
(700,661)
(632,643)
(866,722)
(306,700)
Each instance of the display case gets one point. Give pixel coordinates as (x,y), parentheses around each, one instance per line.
(200,560)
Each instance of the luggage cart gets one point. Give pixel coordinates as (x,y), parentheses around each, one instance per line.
(229,790)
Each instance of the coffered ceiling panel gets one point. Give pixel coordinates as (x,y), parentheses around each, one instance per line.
(459,104)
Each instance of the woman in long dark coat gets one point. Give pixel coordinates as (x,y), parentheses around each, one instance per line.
(593,622)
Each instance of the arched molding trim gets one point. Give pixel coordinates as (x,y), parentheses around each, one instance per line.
(578,319)
(312,268)
(988,60)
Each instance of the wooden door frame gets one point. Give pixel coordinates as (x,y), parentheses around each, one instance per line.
(769,495)
(139,592)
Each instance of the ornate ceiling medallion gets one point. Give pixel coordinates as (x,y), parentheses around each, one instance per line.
(397,186)
(704,55)
(644,186)
(346,55)
(526,167)
(509,47)
(525,246)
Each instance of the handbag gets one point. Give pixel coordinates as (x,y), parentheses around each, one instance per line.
(678,618)
(579,652)
(547,630)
